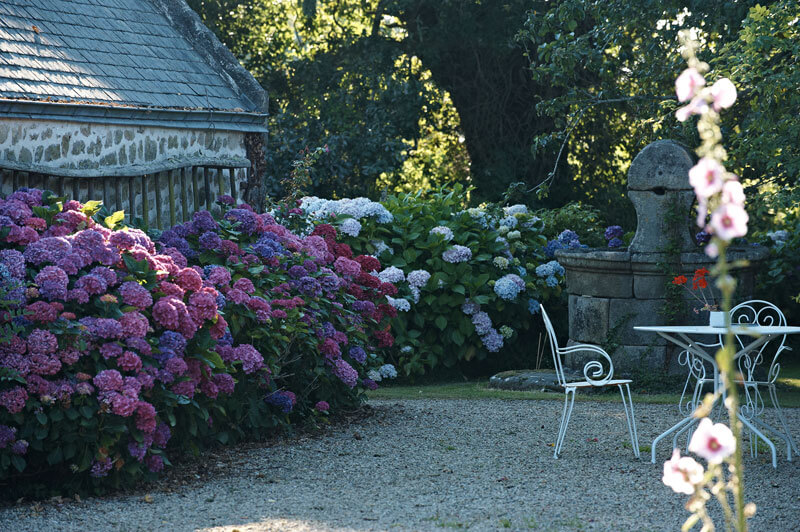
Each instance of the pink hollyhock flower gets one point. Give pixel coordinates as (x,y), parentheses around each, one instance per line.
(712,441)
(723,93)
(687,84)
(682,474)
(706,177)
(729,221)
(697,106)
(733,192)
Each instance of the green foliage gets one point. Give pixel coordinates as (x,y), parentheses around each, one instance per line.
(616,62)
(579,217)
(436,332)
(779,282)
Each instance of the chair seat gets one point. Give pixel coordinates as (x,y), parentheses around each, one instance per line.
(585,384)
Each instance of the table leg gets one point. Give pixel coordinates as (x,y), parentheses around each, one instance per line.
(676,426)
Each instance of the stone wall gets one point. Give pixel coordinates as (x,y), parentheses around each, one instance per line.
(44,145)
(111,163)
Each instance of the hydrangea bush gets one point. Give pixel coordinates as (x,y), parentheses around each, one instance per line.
(118,350)
(307,304)
(108,345)
(469,279)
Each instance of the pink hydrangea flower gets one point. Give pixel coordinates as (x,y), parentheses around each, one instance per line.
(706,177)
(129,361)
(134,325)
(188,279)
(245,285)
(682,474)
(712,441)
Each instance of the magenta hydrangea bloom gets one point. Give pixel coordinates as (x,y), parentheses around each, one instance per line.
(188,279)
(129,361)
(108,380)
(134,325)
(42,342)
(345,372)
(250,358)
(14,261)
(52,282)
(47,249)
(14,399)
(135,295)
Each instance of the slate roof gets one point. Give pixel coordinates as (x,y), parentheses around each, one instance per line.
(114,53)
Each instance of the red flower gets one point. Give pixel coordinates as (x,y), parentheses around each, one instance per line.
(680,280)
(699,282)
(700,274)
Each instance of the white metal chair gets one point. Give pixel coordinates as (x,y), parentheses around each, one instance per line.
(758,369)
(594,376)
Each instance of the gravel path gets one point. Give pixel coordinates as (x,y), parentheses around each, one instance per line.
(433,465)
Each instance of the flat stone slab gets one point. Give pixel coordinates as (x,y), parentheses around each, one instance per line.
(531,380)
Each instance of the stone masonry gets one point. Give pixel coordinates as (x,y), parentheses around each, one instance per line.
(53,146)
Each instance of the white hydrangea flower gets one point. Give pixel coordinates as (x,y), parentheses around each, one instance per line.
(443,230)
(415,294)
(503,229)
(513,235)
(392,274)
(399,303)
(519,208)
(418,278)
(380,247)
(406,349)
(351,227)
(374,375)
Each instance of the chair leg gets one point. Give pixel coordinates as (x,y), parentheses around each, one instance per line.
(773,395)
(630,417)
(569,401)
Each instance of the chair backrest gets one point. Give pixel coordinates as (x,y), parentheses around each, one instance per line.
(764,313)
(551,335)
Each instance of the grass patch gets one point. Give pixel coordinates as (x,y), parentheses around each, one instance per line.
(788,392)
(481,390)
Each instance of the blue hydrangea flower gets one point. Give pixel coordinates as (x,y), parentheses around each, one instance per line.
(615,243)
(492,340)
(482,322)
(533,306)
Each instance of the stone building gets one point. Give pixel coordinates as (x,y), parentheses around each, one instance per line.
(134,102)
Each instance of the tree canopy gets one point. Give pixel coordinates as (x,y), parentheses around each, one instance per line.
(559,96)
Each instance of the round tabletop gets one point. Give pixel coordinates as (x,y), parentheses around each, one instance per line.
(707,329)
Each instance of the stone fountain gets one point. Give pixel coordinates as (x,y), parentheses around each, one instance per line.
(611,291)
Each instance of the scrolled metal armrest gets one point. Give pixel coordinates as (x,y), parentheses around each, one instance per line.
(593,368)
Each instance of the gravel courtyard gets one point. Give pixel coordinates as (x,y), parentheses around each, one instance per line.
(433,465)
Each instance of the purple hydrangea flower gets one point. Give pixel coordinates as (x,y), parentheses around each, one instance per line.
(358,354)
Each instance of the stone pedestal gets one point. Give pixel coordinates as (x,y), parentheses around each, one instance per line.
(610,292)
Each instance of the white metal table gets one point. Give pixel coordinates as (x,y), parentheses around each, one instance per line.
(681,335)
